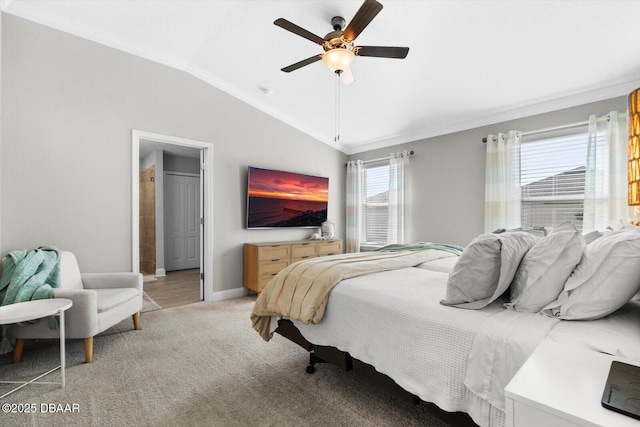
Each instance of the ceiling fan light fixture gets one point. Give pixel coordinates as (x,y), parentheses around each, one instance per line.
(338,59)
(346,76)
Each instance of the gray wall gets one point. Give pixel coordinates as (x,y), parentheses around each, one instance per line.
(447,173)
(68,109)
(182,164)
(148,161)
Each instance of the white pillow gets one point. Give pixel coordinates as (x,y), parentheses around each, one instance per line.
(485,268)
(545,269)
(607,278)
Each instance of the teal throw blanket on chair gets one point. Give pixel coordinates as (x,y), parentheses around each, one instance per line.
(28,275)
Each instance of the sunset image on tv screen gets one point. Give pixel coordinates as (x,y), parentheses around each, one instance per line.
(286,199)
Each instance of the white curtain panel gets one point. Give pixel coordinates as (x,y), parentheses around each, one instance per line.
(605,198)
(354,205)
(502,193)
(398,174)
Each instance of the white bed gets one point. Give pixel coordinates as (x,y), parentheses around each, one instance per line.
(456,358)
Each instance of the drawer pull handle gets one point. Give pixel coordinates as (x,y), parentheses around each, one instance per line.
(306,256)
(275,246)
(304,244)
(332,253)
(276,259)
(273,274)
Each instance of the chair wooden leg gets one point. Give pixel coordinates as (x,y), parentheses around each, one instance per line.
(88,349)
(136,321)
(17,350)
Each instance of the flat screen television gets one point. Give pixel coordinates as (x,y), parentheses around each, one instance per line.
(285,199)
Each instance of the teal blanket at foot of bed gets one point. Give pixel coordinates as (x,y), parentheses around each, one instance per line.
(455,249)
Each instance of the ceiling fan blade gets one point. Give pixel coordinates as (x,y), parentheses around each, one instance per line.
(362,18)
(302,63)
(382,51)
(290,26)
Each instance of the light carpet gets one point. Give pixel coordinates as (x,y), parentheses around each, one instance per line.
(199,365)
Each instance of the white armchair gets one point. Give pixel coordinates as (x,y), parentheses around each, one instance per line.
(100,300)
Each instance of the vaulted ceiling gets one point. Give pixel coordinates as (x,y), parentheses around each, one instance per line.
(471,63)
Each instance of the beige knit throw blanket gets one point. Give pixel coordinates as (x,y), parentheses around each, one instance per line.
(301,290)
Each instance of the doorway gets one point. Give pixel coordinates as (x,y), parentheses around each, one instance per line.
(198,230)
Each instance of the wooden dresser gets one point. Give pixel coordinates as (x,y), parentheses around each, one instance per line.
(262,261)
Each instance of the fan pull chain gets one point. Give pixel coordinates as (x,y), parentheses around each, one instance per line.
(337,109)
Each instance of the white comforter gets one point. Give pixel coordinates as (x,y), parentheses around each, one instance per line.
(458,359)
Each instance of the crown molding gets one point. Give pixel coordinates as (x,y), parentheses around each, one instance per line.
(216,81)
(26,11)
(512,113)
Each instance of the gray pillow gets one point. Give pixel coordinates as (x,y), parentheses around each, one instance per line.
(607,277)
(486,268)
(545,269)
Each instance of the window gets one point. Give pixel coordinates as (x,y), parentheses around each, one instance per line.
(572,173)
(376,204)
(552,178)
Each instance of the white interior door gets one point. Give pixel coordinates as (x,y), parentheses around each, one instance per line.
(182,221)
(202,225)
(192,228)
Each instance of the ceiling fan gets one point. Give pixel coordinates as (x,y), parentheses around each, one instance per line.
(339,50)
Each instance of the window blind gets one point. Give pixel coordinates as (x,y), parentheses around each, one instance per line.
(375,204)
(552,180)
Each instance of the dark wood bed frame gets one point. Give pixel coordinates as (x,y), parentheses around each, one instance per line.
(343,360)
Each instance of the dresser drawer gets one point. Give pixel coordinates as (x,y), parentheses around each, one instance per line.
(274,252)
(330,248)
(271,268)
(267,270)
(304,250)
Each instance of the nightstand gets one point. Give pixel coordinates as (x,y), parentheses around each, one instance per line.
(561,385)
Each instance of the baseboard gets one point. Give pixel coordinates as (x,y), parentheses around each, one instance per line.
(228,294)
(161,272)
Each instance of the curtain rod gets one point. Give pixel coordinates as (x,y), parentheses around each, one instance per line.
(586,122)
(364,162)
